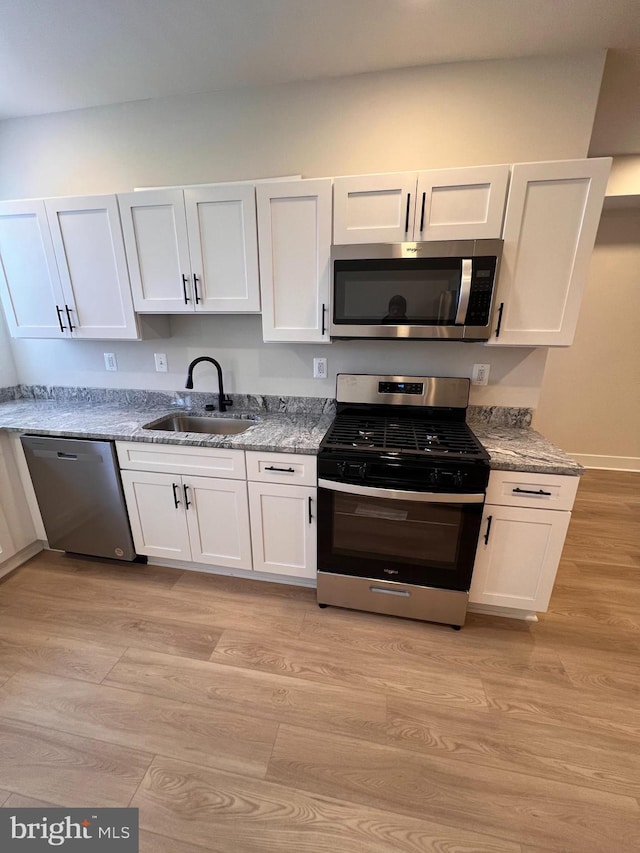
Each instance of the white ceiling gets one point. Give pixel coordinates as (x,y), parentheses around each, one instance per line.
(68,54)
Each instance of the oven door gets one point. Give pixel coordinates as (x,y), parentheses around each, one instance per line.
(422,538)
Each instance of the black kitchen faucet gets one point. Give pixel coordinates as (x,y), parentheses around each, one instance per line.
(224,402)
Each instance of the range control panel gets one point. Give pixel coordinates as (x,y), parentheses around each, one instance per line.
(401,388)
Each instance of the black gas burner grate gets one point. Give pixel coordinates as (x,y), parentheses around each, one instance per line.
(414,435)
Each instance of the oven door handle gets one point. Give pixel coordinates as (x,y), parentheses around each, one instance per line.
(399,495)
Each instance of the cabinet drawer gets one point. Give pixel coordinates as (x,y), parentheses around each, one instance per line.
(541,491)
(281,468)
(178,459)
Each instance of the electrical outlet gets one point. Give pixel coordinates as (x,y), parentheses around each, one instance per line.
(319,368)
(161,362)
(480,374)
(110,361)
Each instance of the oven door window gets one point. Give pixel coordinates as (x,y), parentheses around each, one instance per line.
(410,541)
(414,292)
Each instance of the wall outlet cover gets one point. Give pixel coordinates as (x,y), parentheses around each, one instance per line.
(319,368)
(161,362)
(110,361)
(480,374)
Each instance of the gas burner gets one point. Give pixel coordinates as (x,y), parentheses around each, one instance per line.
(363,442)
(366,433)
(432,439)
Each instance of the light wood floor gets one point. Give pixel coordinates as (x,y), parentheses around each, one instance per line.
(238,717)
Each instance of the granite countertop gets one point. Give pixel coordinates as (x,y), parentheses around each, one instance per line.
(511,447)
(270,431)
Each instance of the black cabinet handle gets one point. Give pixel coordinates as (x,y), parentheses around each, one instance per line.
(424,198)
(520,491)
(59,313)
(486,535)
(195,288)
(500,310)
(324,311)
(176,502)
(406,219)
(184,289)
(187,502)
(68,310)
(310,515)
(284,470)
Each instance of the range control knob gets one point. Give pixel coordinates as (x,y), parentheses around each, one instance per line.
(434,477)
(458,478)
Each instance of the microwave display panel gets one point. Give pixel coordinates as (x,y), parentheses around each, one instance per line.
(410,292)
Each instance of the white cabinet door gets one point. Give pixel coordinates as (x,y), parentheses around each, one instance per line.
(461,204)
(29,281)
(517,565)
(7,546)
(294,238)
(550,227)
(283,529)
(374,208)
(155,503)
(89,249)
(218,520)
(155,234)
(223,244)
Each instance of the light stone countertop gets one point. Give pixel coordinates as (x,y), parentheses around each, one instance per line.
(511,448)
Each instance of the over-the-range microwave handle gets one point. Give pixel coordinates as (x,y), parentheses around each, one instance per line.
(465,290)
(401,495)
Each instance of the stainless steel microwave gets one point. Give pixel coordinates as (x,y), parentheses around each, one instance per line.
(428,291)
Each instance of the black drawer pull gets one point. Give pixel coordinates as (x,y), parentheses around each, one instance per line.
(324,311)
(68,310)
(406,219)
(176,502)
(424,198)
(59,312)
(184,289)
(187,502)
(520,491)
(500,310)
(195,289)
(486,535)
(283,470)
(310,515)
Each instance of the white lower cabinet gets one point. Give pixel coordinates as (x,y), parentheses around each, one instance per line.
(193,504)
(283,508)
(521,541)
(283,529)
(199,519)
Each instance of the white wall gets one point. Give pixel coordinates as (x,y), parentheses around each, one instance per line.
(590,401)
(450,115)
(251,366)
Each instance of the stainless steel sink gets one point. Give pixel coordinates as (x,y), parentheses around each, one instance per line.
(204,424)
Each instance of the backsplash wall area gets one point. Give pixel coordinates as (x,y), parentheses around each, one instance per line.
(253,367)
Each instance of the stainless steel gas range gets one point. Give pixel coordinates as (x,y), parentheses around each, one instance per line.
(401,488)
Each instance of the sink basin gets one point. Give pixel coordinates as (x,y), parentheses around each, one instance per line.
(204,424)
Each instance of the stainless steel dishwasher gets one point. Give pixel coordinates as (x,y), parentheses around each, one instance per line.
(77,484)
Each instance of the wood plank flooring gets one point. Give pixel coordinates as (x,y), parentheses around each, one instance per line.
(238,717)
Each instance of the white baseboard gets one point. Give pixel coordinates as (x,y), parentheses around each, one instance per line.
(232,573)
(608,463)
(508,612)
(21,557)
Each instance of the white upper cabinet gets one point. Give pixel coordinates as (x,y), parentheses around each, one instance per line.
(443,204)
(155,235)
(550,228)
(294,237)
(88,246)
(193,249)
(221,222)
(374,208)
(461,204)
(29,282)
